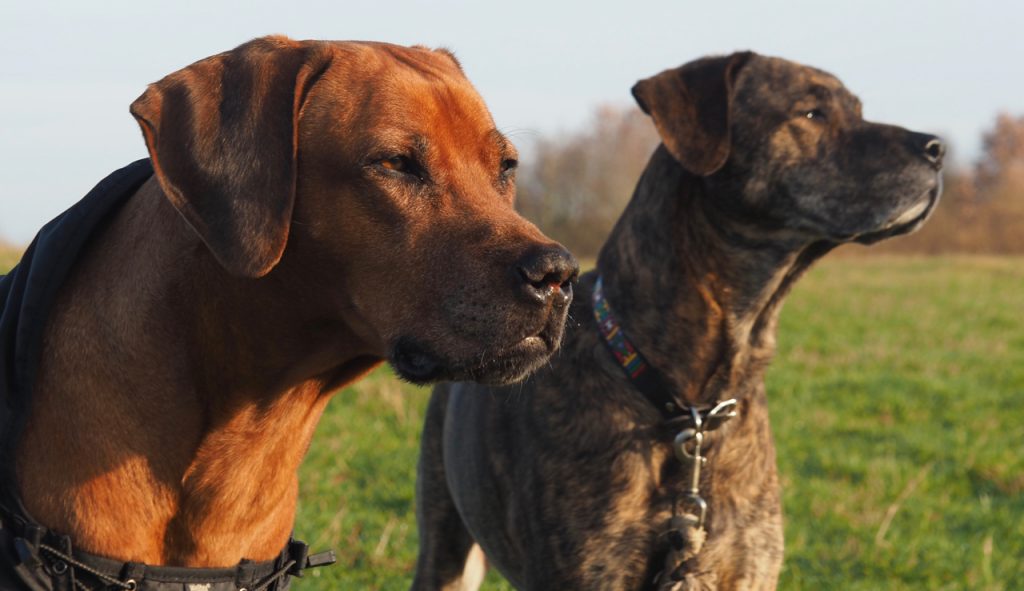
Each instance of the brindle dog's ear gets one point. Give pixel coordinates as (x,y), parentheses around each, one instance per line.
(690,107)
(222,135)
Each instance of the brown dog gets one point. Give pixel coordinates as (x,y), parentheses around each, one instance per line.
(316,208)
(575,479)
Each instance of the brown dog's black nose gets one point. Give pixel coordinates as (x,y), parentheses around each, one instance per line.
(932,148)
(548,272)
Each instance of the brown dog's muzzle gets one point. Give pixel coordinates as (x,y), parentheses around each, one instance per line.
(500,329)
(547,274)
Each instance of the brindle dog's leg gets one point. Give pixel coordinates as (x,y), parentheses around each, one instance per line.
(446,547)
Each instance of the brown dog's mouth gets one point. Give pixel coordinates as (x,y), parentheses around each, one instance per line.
(421,363)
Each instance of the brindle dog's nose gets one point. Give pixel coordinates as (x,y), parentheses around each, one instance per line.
(931,147)
(547,274)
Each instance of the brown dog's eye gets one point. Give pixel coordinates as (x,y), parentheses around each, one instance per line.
(816,114)
(509,165)
(403,165)
(396,163)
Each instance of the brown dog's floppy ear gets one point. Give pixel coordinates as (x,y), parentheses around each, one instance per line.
(222,135)
(690,108)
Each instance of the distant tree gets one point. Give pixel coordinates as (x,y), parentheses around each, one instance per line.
(1001,165)
(576,184)
(999,180)
(982,208)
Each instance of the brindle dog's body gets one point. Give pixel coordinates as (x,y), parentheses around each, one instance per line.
(566,481)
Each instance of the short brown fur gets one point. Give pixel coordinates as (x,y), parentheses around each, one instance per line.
(276,255)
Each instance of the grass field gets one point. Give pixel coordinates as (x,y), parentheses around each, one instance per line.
(898,409)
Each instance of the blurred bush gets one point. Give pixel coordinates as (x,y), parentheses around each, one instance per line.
(9,256)
(576,185)
(982,209)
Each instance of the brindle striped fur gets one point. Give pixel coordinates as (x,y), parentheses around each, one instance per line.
(566,480)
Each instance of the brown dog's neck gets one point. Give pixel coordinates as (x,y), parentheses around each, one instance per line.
(688,283)
(178,441)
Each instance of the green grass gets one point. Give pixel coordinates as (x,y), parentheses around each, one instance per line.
(898,409)
(898,406)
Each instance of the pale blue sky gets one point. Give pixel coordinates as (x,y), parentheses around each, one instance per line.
(70,69)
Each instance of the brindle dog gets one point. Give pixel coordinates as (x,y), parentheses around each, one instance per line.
(567,481)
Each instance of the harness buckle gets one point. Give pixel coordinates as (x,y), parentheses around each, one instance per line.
(325,558)
(25,554)
(299,552)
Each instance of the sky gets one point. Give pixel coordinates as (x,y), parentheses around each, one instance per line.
(70,69)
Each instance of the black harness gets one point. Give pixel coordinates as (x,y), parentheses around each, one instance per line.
(31,556)
(36,559)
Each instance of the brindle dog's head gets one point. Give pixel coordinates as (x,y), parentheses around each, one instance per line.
(787,148)
(380,169)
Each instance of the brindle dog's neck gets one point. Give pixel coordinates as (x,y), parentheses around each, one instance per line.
(697,290)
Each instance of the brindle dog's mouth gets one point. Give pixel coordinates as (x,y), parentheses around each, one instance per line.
(906,222)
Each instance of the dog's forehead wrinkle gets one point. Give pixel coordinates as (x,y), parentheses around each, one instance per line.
(420,59)
(420,143)
(402,137)
(401,100)
(780,84)
(820,92)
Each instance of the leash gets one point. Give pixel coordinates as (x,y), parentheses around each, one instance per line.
(685,533)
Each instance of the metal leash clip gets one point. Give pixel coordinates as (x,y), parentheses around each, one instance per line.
(687,447)
(686,533)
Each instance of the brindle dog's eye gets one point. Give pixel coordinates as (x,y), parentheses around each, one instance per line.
(508,165)
(817,114)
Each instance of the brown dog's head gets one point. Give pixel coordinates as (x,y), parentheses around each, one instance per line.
(371,178)
(785,147)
